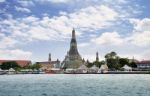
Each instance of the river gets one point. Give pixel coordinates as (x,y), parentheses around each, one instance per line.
(75,85)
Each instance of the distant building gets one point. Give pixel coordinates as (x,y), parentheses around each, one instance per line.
(82,69)
(73,59)
(145,64)
(21,63)
(127,68)
(97,57)
(93,69)
(133,60)
(103,68)
(48,65)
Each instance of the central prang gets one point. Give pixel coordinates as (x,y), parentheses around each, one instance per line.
(73,59)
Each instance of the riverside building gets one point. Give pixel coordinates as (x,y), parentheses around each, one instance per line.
(48,65)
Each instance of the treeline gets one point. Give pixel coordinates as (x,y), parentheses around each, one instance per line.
(14,65)
(113,61)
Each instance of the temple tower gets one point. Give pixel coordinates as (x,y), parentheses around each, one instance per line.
(73,59)
(97,57)
(49,57)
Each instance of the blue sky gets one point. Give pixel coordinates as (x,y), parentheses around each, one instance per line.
(31,29)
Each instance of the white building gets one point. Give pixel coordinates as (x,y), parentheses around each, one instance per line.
(103,69)
(1,70)
(82,69)
(127,68)
(70,70)
(11,71)
(93,69)
(145,64)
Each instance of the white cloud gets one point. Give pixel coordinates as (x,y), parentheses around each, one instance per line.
(131,56)
(7,42)
(108,38)
(122,1)
(63,13)
(14,54)
(141,25)
(85,1)
(39,33)
(141,32)
(56,1)
(141,38)
(22,9)
(32,28)
(2,35)
(116,1)
(83,44)
(102,17)
(146,54)
(1,1)
(29,19)
(143,55)
(26,3)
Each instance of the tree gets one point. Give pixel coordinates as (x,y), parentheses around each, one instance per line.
(98,63)
(113,54)
(8,65)
(123,61)
(36,66)
(133,64)
(112,60)
(89,64)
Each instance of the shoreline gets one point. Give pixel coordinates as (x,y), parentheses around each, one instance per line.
(109,72)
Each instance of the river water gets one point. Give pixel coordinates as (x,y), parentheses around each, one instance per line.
(75,85)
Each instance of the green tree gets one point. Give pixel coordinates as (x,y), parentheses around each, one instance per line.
(123,61)
(8,65)
(98,63)
(89,64)
(133,64)
(36,66)
(112,60)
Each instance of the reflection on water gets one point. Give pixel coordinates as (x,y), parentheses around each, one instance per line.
(75,85)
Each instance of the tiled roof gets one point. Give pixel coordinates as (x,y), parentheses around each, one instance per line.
(144,62)
(22,63)
(47,62)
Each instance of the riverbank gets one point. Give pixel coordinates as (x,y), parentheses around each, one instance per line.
(117,72)
(109,72)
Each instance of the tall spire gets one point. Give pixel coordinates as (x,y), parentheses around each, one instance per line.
(73,58)
(73,44)
(73,39)
(133,59)
(49,58)
(97,57)
(73,34)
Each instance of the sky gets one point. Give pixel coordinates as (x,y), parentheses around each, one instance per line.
(31,29)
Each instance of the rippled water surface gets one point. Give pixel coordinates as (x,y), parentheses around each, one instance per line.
(75,85)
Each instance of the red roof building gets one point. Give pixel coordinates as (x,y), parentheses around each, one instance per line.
(21,63)
(143,64)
